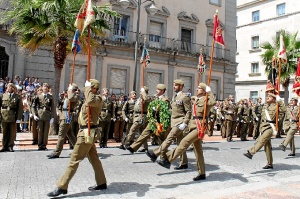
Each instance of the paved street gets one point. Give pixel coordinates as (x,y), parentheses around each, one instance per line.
(27,173)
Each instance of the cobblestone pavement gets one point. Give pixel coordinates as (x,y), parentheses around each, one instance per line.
(27,173)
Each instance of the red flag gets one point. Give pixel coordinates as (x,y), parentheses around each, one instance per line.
(282,50)
(86,16)
(201,64)
(217,34)
(296,86)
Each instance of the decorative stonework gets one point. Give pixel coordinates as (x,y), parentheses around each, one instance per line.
(163,12)
(184,17)
(210,23)
(133,5)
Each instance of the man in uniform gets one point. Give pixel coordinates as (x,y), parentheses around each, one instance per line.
(43,112)
(267,128)
(229,111)
(120,122)
(11,113)
(147,132)
(34,129)
(66,118)
(257,116)
(127,113)
(192,136)
(139,117)
(244,119)
(107,114)
(181,115)
(291,123)
(84,148)
(211,120)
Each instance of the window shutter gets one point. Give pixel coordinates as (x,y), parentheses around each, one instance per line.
(117,81)
(79,75)
(187,83)
(152,80)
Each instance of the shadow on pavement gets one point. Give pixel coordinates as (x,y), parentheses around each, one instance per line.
(104,155)
(277,167)
(210,148)
(116,188)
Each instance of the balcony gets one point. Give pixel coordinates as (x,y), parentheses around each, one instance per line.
(162,44)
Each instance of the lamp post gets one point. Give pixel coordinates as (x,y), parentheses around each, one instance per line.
(152,10)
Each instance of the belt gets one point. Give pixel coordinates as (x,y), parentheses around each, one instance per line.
(244,115)
(197,117)
(6,107)
(139,112)
(48,109)
(85,126)
(65,109)
(269,121)
(290,120)
(130,112)
(104,110)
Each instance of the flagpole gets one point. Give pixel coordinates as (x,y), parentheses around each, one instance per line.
(88,77)
(72,78)
(277,105)
(143,76)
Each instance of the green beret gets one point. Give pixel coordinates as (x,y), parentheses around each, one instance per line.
(161,86)
(95,83)
(178,81)
(202,86)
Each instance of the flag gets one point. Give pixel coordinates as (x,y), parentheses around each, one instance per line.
(86,16)
(201,64)
(217,34)
(145,56)
(75,43)
(296,85)
(282,50)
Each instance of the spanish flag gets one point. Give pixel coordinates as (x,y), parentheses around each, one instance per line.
(217,34)
(86,16)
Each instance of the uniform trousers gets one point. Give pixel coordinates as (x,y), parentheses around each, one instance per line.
(34,130)
(64,130)
(264,140)
(43,126)
(175,134)
(105,125)
(191,138)
(211,125)
(244,130)
(256,128)
(119,127)
(229,129)
(136,127)
(9,134)
(82,150)
(291,131)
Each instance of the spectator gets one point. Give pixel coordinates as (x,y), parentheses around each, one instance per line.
(26,82)
(16,80)
(2,85)
(30,88)
(36,82)
(25,112)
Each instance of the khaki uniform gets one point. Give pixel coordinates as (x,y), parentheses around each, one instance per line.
(120,122)
(244,118)
(43,108)
(211,120)
(264,140)
(139,121)
(290,126)
(75,125)
(11,110)
(147,132)
(82,149)
(192,136)
(256,117)
(181,113)
(107,113)
(229,111)
(34,128)
(65,122)
(127,112)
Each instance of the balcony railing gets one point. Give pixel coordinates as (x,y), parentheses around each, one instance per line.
(154,42)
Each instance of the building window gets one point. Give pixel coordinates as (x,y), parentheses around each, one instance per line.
(253,95)
(118,81)
(215,2)
(4,59)
(186,40)
(255,16)
(254,68)
(255,42)
(281,9)
(153,78)
(120,29)
(155,34)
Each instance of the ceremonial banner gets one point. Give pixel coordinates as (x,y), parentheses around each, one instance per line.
(75,43)
(201,64)
(282,50)
(145,56)
(85,17)
(217,34)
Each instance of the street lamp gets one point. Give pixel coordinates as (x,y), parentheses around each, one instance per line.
(152,10)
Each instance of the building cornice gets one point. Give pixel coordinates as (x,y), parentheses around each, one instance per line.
(250,3)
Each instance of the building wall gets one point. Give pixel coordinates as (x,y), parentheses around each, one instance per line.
(266,29)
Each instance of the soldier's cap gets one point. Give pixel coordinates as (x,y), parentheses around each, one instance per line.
(46,84)
(178,81)
(202,85)
(193,97)
(146,88)
(295,98)
(95,83)
(133,92)
(272,95)
(161,86)
(75,86)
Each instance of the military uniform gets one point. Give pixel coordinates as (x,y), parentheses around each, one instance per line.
(11,111)
(211,120)
(256,117)
(120,122)
(66,120)
(264,140)
(181,114)
(229,111)
(192,136)
(43,108)
(291,122)
(244,118)
(107,113)
(139,119)
(34,128)
(84,149)
(127,112)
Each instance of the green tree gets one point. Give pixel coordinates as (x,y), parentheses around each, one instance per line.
(292,45)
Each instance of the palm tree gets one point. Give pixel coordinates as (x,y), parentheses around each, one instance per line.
(51,23)
(292,45)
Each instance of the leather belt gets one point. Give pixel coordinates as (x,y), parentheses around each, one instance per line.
(139,112)
(85,127)
(290,120)
(197,117)
(269,121)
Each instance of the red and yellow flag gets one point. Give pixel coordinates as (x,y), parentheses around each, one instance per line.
(86,16)
(282,50)
(217,34)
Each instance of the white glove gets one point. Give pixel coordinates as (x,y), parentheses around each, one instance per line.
(256,118)
(70,87)
(18,121)
(126,119)
(154,108)
(222,118)
(278,98)
(142,89)
(182,126)
(52,120)
(208,89)
(30,115)
(113,119)
(87,83)
(36,118)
